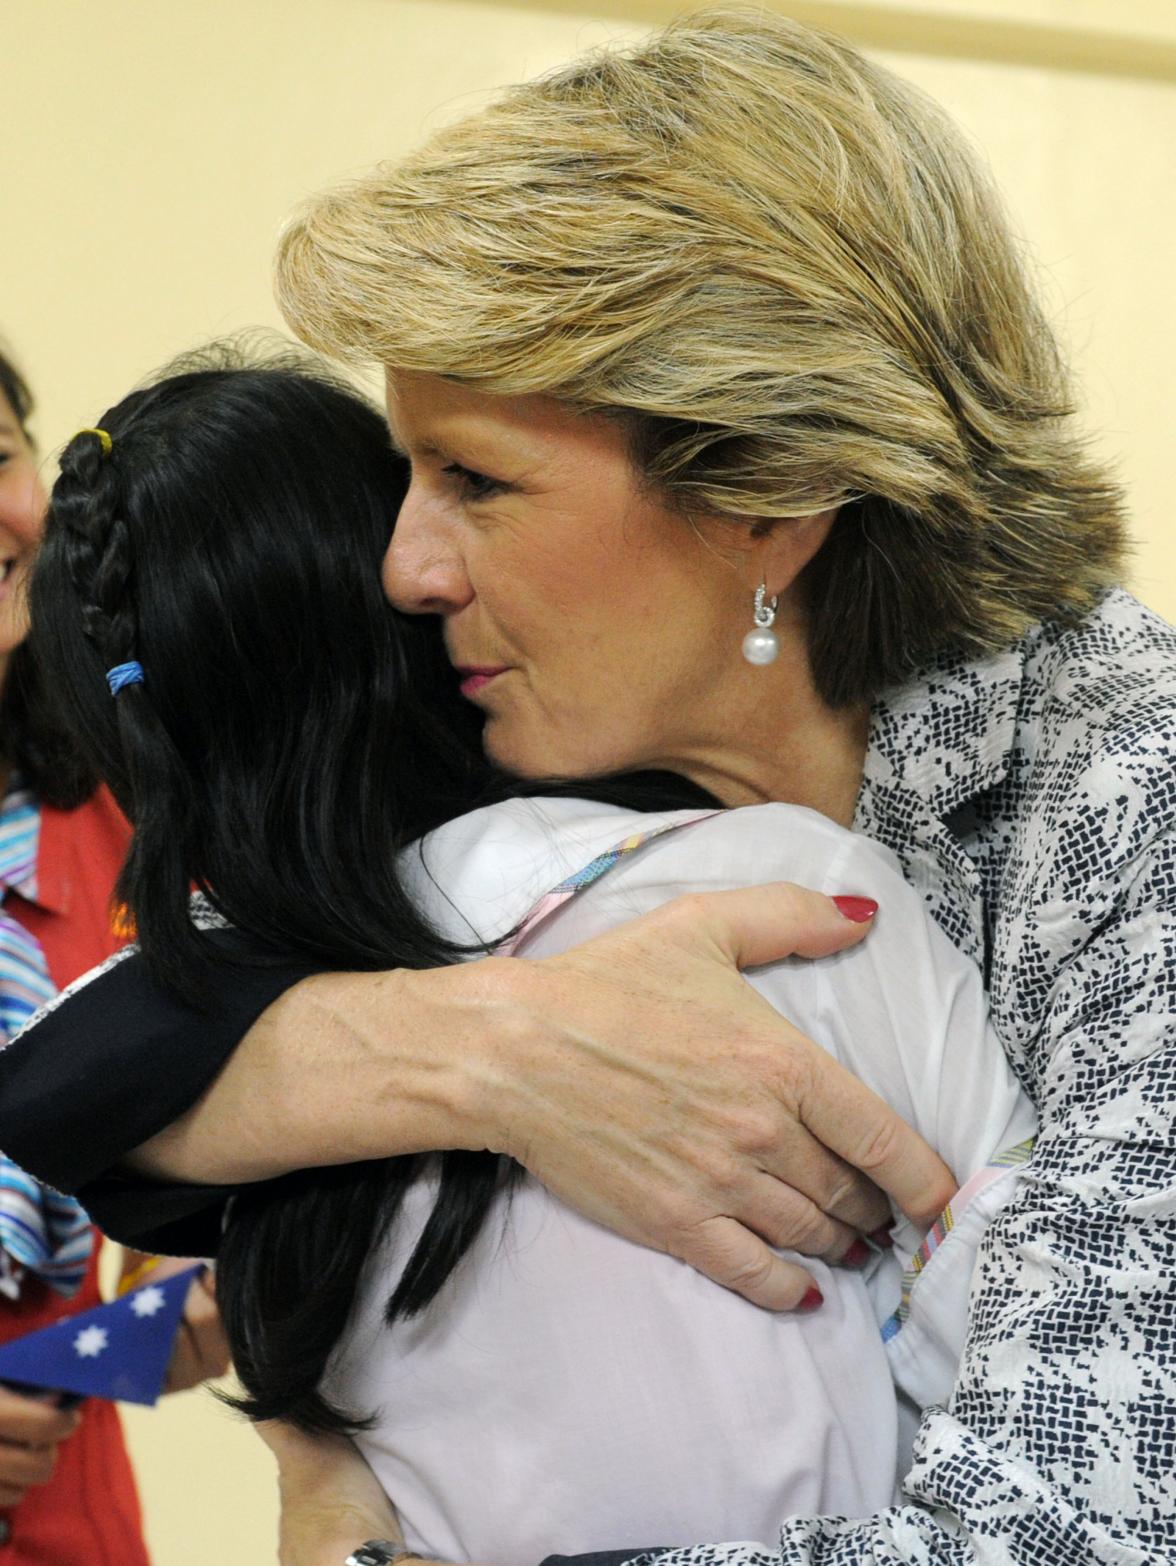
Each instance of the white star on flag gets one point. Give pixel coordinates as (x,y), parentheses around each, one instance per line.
(118,1351)
(145,1302)
(90,1342)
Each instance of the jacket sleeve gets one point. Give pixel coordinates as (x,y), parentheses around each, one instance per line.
(1056,1446)
(111,1062)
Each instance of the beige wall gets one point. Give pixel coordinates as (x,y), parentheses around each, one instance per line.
(151,148)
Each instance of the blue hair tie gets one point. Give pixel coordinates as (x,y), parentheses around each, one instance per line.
(124,674)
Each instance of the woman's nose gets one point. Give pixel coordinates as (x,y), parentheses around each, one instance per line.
(424,572)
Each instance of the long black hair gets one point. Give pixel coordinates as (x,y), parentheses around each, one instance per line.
(291,734)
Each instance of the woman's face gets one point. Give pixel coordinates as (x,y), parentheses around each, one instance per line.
(596,629)
(22,516)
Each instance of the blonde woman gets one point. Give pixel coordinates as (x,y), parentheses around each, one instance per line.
(724,336)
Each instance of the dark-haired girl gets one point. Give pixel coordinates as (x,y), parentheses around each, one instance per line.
(207,602)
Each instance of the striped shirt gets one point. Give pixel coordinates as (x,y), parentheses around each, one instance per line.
(40,1230)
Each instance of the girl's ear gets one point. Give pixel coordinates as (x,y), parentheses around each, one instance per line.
(779,548)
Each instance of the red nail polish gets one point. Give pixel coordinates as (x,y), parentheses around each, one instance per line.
(857,1255)
(859,909)
(813,1300)
(882,1238)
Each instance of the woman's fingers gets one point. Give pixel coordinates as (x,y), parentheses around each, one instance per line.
(730,1254)
(648,1084)
(763,924)
(760,924)
(789,1221)
(865,1134)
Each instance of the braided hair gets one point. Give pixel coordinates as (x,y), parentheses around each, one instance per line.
(93,535)
(230,543)
(292,733)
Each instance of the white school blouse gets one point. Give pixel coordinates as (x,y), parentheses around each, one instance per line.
(569,1385)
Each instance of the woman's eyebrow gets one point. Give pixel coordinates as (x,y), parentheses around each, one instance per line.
(424,448)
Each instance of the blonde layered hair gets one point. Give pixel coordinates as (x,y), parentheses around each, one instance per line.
(785,269)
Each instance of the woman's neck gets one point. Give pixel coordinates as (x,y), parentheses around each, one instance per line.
(819,765)
(781,741)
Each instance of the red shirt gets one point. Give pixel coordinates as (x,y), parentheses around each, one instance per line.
(89,1511)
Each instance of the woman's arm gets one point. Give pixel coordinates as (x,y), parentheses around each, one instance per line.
(712,1099)
(331,1502)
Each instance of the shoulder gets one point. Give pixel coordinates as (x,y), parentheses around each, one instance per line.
(477,876)
(1110,680)
(1096,734)
(756,844)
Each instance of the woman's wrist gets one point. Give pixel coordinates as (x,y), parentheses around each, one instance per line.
(394,1054)
(330,1500)
(486,1047)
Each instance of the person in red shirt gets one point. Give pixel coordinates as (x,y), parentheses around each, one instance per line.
(67,1492)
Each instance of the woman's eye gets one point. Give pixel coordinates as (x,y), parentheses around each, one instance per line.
(474,486)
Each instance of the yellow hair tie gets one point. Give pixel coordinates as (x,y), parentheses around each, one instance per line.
(104,439)
(133,1278)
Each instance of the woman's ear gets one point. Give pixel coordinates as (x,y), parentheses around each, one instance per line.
(779,548)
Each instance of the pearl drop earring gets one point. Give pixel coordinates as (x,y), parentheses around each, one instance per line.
(762,646)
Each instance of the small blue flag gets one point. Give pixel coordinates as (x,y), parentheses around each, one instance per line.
(119,1351)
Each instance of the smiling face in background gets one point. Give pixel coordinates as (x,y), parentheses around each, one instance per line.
(596,628)
(22,516)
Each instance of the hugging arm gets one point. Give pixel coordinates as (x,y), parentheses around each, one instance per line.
(711,1094)
(111,1061)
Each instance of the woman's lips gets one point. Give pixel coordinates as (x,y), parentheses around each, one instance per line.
(473,678)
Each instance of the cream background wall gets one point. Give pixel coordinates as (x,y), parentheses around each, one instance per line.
(151,148)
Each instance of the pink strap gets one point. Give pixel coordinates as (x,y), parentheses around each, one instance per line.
(1010,1158)
(578,882)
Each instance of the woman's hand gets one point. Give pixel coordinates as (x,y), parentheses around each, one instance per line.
(641,1079)
(638,1076)
(31,1430)
(331,1501)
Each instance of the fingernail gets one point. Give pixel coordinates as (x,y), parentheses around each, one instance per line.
(882,1238)
(857,1255)
(813,1300)
(860,909)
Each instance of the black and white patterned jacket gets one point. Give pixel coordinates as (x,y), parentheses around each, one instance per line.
(1032,799)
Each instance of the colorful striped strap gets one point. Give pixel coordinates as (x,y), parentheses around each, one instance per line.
(581,880)
(1010,1158)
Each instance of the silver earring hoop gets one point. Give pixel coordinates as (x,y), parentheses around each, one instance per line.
(762,646)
